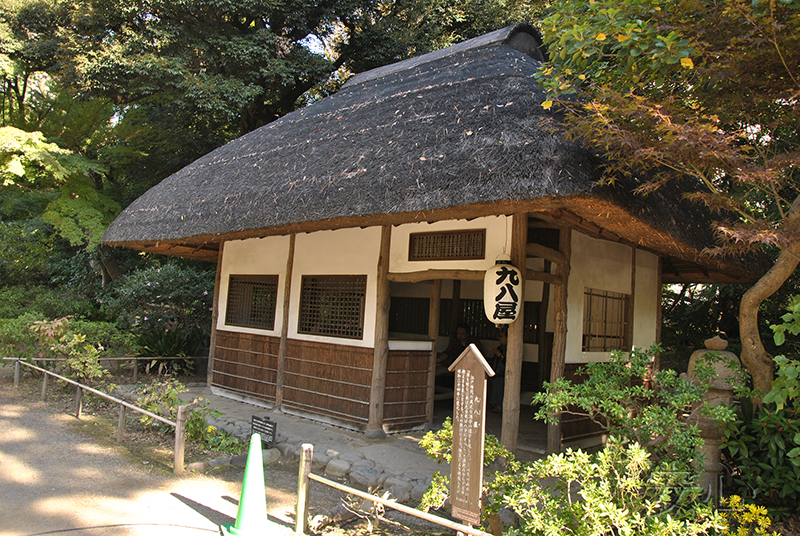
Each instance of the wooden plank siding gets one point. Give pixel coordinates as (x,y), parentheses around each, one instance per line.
(246,364)
(328,380)
(406,397)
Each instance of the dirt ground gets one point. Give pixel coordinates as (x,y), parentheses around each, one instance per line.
(62,474)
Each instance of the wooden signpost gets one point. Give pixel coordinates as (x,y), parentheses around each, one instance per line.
(469,428)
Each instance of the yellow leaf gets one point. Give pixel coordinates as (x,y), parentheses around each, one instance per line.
(582,77)
(622,38)
(687,62)
(547,104)
(601,37)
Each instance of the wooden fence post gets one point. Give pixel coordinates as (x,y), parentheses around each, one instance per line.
(135,370)
(44,385)
(306,459)
(16,373)
(180,440)
(78,402)
(121,424)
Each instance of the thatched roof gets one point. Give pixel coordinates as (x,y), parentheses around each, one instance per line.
(458,133)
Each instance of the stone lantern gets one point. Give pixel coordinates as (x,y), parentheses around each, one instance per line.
(720,393)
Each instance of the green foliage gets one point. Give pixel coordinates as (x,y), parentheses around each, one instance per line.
(615,491)
(438,445)
(44,301)
(171,343)
(17,339)
(764,442)
(82,358)
(626,398)
(162,397)
(162,297)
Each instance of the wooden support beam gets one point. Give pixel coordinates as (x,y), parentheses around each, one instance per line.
(287,294)
(381,351)
(511,395)
(432,275)
(547,277)
(548,254)
(560,334)
(434,312)
(212,345)
(541,335)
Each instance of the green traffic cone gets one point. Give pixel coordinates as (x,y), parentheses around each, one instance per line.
(251,519)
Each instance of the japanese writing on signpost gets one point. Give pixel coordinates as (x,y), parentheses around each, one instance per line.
(466,470)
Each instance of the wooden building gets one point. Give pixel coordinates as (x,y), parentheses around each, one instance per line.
(352,235)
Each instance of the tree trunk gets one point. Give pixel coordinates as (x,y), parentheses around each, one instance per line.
(754,355)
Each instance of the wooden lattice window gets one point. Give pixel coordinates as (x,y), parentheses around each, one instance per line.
(472,313)
(409,315)
(251,301)
(605,321)
(333,305)
(450,245)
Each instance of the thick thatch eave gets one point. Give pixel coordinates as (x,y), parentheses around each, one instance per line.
(459,133)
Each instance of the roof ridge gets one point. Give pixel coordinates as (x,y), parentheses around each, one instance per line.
(521,36)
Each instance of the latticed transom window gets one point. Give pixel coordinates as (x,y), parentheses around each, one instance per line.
(251,301)
(333,305)
(449,245)
(605,321)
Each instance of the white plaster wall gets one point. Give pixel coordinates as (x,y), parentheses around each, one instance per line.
(339,252)
(498,236)
(255,256)
(605,265)
(646,300)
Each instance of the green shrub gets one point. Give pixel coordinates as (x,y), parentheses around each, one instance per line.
(660,414)
(46,301)
(171,343)
(162,398)
(615,491)
(163,297)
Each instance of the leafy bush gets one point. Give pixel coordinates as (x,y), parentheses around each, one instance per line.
(171,343)
(162,398)
(46,301)
(18,339)
(660,414)
(162,297)
(615,491)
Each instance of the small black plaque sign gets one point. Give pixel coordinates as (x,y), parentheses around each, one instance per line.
(266,428)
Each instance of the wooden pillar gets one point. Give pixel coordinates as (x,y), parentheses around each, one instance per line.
(287,287)
(434,312)
(212,345)
(455,314)
(544,357)
(381,351)
(659,313)
(629,313)
(560,335)
(510,430)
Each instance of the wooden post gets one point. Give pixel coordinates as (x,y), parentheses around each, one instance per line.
(381,351)
(16,373)
(44,385)
(212,344)
(136,370)
(560,335)
(455,314)
(544,356)
(629,312)
(78,402)
(510,429)
(287,287)
(180,440)
(121,424)
(434,311)
(306,459)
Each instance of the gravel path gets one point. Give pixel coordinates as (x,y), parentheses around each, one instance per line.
(58,476)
